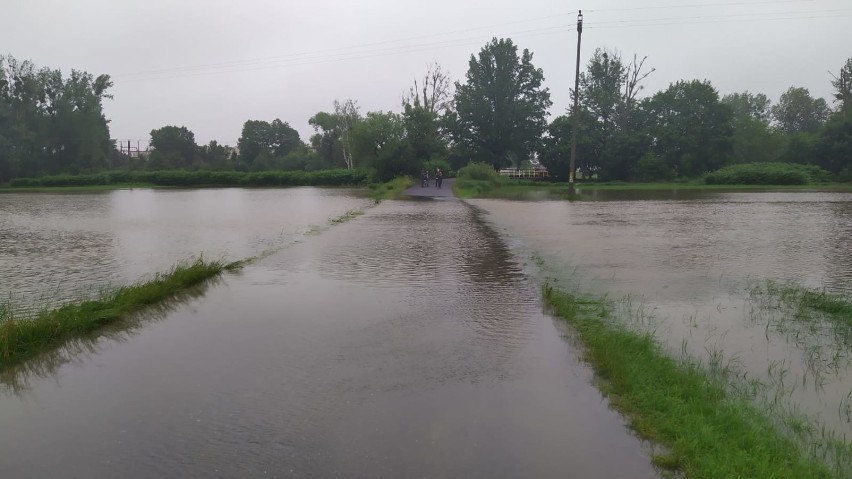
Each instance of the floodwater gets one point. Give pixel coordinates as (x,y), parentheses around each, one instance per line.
(682,264)
(59,246)
(406,342)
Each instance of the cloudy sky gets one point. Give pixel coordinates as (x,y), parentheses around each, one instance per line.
(210,65)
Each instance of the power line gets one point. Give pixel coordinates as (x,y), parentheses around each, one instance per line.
(354,55)
(364,51)
(747,16)
(335,49)
(704,5)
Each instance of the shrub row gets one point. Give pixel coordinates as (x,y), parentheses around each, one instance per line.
(767,174)
(203,178)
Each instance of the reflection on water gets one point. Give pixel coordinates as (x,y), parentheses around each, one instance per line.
(57,246)
(406,342)
(18,378)
(687,264)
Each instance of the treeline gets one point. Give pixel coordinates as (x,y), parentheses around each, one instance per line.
(497,115)
(688,129)
(50,123)
(337,177)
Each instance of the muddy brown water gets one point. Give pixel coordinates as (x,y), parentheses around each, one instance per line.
(406,342)
(681,263)
(58,246)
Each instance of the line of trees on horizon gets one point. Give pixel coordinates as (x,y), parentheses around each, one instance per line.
(53,125)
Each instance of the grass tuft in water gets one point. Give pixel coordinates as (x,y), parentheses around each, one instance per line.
(708,432)
(23,337)
(345,217)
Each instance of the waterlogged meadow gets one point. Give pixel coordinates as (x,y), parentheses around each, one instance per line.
(752,287)
(59,247)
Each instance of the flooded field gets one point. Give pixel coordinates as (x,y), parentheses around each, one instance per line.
(702,271)
(56,246)
(406,342)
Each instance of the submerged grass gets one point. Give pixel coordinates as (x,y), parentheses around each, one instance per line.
(808,307)
(345,217)
(23,337)
(708,432)
(391,189)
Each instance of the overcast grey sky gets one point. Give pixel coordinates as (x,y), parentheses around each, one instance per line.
(210,65)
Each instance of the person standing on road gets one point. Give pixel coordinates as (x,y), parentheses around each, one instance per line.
(439,177)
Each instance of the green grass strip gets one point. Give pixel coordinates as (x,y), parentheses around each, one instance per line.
(390,190)
(707,432)
(21,338)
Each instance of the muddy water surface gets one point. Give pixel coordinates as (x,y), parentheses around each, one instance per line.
(55,246)
(682,264)
(406,342)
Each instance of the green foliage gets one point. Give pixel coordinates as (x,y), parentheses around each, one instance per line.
(502,108)
(749,105)
(22,337)
(680,405)
(379,142)
(173,147)
(49,123)
(833,147)
(476,179)
(652,168)
(436,163)
(423,133)
(767,174)
(798,112)
(260,139)
(203,178)
(691,127)
(390,189)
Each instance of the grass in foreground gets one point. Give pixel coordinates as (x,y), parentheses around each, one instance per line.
(708,433)
(21,338)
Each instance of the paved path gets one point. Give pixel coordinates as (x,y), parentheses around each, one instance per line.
(445,190)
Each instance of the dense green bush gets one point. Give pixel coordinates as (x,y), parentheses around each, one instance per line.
(203,178)
(478,178)
(481,172)
(767,174)
(434,163)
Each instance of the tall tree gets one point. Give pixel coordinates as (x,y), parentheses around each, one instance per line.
(348,116)
(332,140)
(50,123)
(798,112)
(600,86)
(378,141)
(425,109)
(608,116)
(690,127)
(842,83)
(433,93)
(502,108)
(753,139)
(172,147)
(274,140)
(749,105)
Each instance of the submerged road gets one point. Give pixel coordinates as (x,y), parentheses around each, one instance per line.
(432,191)
(405,343)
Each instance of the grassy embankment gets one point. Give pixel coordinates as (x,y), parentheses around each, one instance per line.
(708,432)
(23,337)
(391,189)
(481,181)
(177,178)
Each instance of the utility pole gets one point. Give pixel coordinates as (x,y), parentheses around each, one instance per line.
(574,112)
